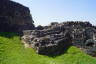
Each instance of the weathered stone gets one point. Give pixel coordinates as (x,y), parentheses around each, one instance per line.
(39,27)
(14,17)
(57,37)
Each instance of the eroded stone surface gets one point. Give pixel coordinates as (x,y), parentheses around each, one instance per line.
(14,17)
(57,37)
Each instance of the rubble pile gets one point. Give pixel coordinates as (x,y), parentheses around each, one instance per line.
(58,37)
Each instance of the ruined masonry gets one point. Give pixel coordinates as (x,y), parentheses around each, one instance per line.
(14,17)
(54,39)
(58,37)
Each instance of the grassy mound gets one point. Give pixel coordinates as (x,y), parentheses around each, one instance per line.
(12,51)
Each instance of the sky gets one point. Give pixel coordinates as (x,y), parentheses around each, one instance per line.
(46,11)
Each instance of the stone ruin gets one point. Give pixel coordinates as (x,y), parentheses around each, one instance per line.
(47,40)
(58,37)
(14,17)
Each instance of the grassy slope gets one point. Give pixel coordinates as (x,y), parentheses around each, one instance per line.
(13,52)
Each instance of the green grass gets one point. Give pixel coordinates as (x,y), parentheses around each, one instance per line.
(12,51)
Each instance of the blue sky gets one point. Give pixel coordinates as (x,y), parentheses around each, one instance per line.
(46,11)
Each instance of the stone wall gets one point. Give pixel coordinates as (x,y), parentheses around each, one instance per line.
(57,37)
(14,17)
(48,40)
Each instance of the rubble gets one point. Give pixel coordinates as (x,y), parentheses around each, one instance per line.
(57,37)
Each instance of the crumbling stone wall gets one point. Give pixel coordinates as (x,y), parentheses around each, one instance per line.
(48,40)
(14,17)
(57,37)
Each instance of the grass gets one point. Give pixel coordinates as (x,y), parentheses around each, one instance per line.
(12,51)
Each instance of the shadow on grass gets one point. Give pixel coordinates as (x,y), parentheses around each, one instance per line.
(8,34)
